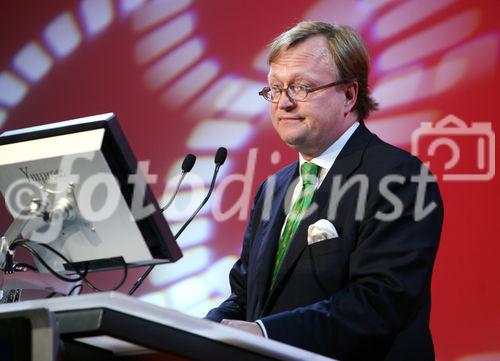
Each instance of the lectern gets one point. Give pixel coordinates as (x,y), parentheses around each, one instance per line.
(108,326)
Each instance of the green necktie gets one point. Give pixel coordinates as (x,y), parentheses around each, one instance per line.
(309,172)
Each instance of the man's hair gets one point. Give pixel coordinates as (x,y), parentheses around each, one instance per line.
(348,51)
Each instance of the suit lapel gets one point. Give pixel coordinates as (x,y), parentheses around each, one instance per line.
(347,161)
(268,246)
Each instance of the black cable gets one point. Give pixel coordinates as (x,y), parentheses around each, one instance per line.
(21,267)
(84,274)
(81,275)
(53,293)
(122,281)
(40,259)
(60,255)
(74,288)
(27,245)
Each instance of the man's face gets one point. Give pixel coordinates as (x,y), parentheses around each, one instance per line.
(310,126)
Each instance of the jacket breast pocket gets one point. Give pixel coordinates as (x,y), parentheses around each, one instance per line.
(328,263)
(326,246)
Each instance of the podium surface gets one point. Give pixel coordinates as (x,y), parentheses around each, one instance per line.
(120,326)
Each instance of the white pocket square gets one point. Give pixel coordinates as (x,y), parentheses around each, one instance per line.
(321,230)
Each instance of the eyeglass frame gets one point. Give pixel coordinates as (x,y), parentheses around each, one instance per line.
(308,90)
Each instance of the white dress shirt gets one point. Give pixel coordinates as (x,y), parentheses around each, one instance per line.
(325,160)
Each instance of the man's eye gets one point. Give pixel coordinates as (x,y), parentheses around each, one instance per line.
(275,89)
(299,88)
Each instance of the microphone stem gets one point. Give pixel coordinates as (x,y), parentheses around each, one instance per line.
(212,184)
(150,268)
(175,193)
(138,283)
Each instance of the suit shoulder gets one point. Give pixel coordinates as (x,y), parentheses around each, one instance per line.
(287,170)
(284,173)
(386,157)
(280,176)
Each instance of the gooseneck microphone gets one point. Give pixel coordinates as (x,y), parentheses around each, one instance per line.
(188,163)
(220,158)
(186,167)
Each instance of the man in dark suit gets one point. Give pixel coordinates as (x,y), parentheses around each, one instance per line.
(337,257)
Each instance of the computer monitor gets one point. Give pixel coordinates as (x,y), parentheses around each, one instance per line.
(95,207)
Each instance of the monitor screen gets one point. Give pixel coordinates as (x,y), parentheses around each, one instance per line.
(94,204)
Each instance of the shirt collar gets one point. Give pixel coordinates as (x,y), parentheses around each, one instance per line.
(326,159)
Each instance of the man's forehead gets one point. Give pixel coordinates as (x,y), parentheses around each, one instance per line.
(312,54)
(313,48)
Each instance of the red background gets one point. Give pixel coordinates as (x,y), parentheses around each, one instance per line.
(450,66)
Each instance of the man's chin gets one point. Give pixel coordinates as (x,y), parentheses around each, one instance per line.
(293,137)
(297,146)
(294,143)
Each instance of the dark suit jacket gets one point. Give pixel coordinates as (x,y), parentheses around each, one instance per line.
(362,296)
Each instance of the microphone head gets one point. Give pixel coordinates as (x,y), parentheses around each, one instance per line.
(188,163)
(220,156)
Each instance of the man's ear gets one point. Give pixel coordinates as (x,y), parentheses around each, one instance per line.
(351,95)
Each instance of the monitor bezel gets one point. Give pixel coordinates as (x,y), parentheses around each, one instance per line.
(122,162)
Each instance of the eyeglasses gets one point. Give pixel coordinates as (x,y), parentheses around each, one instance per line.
(294,91)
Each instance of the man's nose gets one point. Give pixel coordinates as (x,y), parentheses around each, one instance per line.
(285,102)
